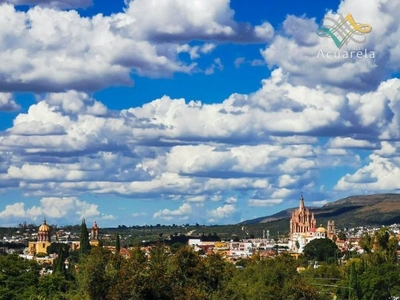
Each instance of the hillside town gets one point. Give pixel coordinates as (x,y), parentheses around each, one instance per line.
(309,262)
(303,230)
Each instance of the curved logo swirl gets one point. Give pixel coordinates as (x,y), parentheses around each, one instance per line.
(343,30)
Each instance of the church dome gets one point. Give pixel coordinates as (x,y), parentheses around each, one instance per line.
(321,229)
(44,227)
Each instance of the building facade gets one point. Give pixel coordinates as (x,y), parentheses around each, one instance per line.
(303,228)
(43,240)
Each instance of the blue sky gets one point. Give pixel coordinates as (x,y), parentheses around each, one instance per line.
(192,111)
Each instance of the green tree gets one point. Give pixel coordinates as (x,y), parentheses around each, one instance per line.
(138,255)
(187,269)
(321,250)
(354,288)
(342,236)
(158,285)
(380,247)
(217,272)
(176,246)
(117,244)
(380,282)
(366,242)
(18,277)
(132,278)
(297,244)
(324,278)
(62,251)
(93,281)
(59,263)
(55,248)
(269,279)
(386,245)
(84,239)
(53,287)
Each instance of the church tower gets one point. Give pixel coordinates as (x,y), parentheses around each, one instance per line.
(302,220)
(94,235)
(303,228)
(331,229)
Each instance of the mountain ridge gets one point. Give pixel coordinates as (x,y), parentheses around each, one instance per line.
(357,210)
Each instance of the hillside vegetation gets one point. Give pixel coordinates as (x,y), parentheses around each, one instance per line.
(362,210)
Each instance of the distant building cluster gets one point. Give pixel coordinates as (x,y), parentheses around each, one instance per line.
(37,249)
(302,230)
(44,239)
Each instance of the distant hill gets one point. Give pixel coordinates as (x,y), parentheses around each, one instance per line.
(370,210)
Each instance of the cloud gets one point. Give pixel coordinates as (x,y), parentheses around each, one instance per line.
(312,115)
(227,213)
(297,50)
(136,215)
(264,31)
(7,102)
(194,50)
(16,210)
(384,37)
(264,203)
(48,50)
(178,20)
(51,50)
(231,200)
(379,175)
(257,62)
(64,4)
(347,142)
(382,166)
(319,203)
(252,161)
(239,61)
(336,158)
(69,209)
(289,110)
(43,172)
(223,213)
(217,65)
(263,145)
(181,214)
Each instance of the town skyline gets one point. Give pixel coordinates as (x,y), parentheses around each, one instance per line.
(142,112)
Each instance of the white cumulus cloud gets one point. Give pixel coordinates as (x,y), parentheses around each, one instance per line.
(67,209)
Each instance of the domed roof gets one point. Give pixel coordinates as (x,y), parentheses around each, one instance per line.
(321,229)
(44,227)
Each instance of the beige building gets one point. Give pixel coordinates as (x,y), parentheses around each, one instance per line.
(44,239)
(42,242)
